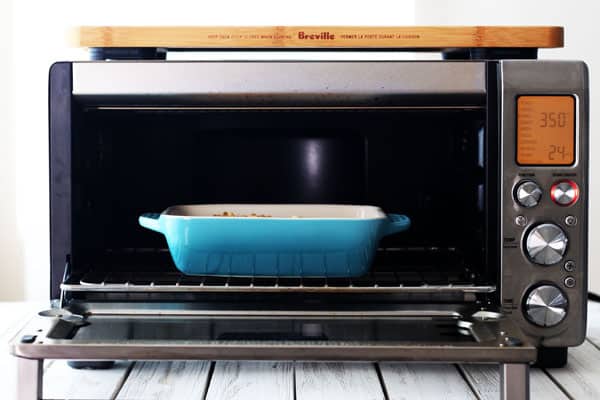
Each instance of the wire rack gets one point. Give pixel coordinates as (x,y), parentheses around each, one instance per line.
(433,270)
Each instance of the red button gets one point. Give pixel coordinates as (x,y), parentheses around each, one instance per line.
(564,193)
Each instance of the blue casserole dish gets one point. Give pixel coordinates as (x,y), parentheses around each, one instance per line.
(303,240)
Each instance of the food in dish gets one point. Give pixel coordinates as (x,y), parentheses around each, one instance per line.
(232,214)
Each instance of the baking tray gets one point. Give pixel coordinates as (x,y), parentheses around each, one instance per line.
(295,240)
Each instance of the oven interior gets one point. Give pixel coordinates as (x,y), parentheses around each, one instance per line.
(427,163)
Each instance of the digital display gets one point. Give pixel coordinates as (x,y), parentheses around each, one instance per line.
(545,130)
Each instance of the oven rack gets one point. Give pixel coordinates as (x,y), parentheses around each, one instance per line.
(431,271)
(378,282)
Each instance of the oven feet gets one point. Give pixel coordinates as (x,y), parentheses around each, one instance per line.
(514,381)
(30,375)
(29,378)
(551,357)
(90,364)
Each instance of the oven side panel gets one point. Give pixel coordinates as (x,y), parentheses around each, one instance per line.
(520,275)
(60,122)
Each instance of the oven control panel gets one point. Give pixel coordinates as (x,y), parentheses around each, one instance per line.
(546,217)
(545,244)
(544,198)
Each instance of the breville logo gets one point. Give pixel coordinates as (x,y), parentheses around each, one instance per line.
(316,36)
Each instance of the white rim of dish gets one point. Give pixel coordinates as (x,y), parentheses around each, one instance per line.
(371,212)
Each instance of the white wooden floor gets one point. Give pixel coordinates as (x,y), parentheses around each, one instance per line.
(300,380)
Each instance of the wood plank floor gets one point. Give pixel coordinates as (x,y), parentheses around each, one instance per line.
(302,380)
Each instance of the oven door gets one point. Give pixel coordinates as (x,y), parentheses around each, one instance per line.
(154,331)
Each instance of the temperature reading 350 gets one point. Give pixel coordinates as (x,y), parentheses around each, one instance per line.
(545,130)
(552,119)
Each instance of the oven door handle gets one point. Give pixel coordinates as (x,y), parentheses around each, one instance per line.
(395,223)
(150,221)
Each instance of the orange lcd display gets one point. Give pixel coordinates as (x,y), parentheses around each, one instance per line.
(546,130)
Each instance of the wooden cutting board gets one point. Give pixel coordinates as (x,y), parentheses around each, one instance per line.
(277,37)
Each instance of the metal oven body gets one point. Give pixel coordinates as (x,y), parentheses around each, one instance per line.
(494,268)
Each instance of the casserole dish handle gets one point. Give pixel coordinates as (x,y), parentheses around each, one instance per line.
(396,223)
(150,221)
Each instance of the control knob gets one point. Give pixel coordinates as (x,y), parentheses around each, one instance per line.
(546,305)
(546,244)
(528,194)
(564,193)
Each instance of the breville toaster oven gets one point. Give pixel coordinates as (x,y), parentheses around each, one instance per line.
(486,151)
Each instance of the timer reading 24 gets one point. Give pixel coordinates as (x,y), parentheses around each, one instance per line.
(545,130)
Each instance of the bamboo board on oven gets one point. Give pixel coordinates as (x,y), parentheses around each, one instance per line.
(299,37)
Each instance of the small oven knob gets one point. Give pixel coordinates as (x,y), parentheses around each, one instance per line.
(546,244)
(564,193)
(528,194)
(546,306)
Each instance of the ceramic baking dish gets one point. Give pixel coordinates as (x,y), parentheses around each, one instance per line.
(296,240)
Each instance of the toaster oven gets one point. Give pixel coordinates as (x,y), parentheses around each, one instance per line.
(487,156)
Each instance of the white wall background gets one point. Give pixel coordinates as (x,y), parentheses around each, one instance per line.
(10,248)
(33,35)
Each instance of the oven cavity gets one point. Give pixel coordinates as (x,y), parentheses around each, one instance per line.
(428,164)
